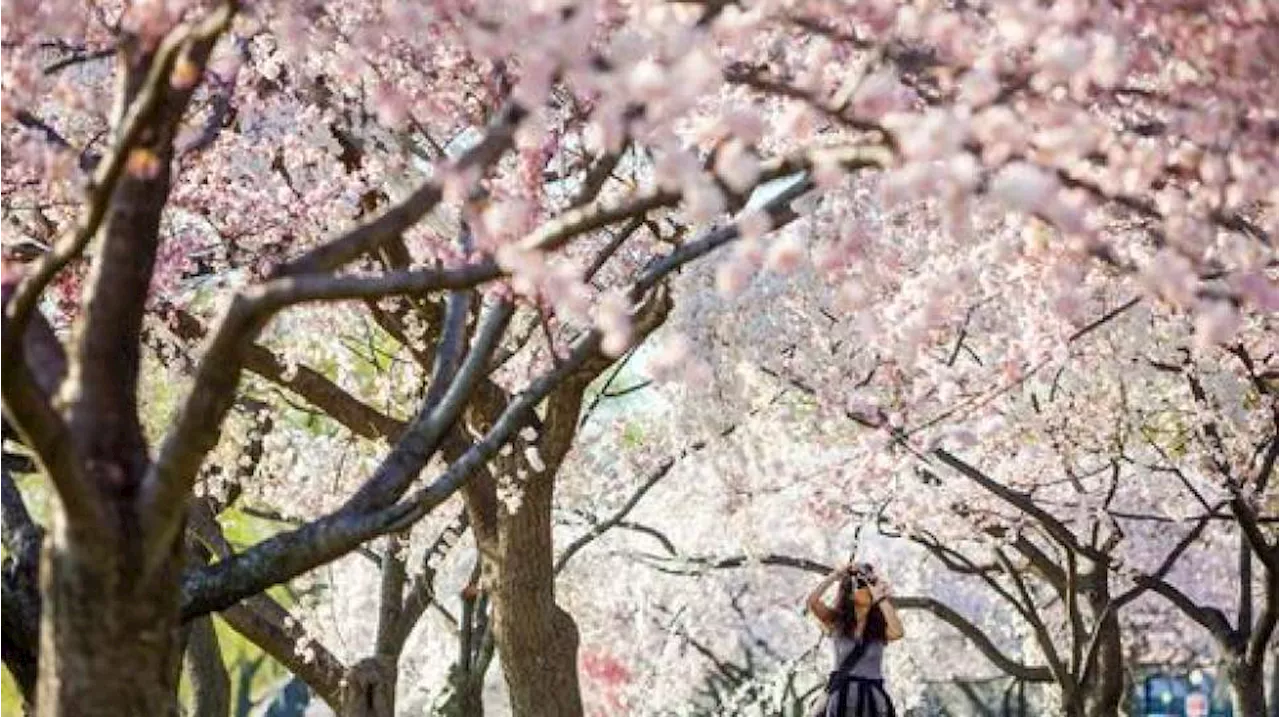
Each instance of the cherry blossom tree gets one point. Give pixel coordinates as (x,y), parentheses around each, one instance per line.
(163,56)
(1091,465)
(1125,487)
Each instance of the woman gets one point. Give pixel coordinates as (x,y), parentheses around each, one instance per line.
(861,623)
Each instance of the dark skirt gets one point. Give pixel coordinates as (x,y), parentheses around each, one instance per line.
(849,696)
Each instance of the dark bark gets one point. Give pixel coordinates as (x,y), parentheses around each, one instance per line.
(206,672)
(475,652)
(538,641)
(110,638)
(20,611)
(975,634)
(110,632)
(466,677)
(1104,687)
(466,698)
(263,621)
(370,689)
(19,627)
(1248,689)
(306,382)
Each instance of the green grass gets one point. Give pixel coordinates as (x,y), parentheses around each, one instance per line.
(10,700)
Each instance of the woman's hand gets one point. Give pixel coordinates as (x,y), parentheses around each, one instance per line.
(880,589)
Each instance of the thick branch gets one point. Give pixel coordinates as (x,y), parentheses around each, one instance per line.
(1003,662)
(1244,579)
(1210,618)
(433,420)
(517,414)
(312,386)
(29,384)
(206,672)
(286,555)
(22,535)
(391,596)
(195,432)
(268,625)
(1264,629)
(196,41)
(1021,502)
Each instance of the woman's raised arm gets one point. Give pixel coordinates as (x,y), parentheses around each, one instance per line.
(825,615)
(880,594)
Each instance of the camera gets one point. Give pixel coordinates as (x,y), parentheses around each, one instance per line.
(863,576)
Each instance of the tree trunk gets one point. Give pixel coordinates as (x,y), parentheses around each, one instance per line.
(1106,687)
(1273,683)
(206,672)
(475,653)
(1248,690)
(370,689)
(536,639)
(1071,706)
(110,640)
(466,695)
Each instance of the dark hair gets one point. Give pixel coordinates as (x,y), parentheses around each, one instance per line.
(846,621)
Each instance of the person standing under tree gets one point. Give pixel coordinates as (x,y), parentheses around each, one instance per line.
(862,621)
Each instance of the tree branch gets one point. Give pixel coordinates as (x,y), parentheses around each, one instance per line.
(265,623)
(424,434)
(1264,629)
(393,222)
(195,431)
(1065,679)
(1210,618)
(196,41)
(210,683)
(617,517)
(312,386)
(421,591)
(1023,503)
(27,382)
(516,415)
(927,604)
(289,554)
(979,638)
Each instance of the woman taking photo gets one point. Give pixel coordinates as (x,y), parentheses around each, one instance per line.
(860,624)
